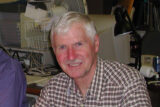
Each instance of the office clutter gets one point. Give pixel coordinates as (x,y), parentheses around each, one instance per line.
(35,13)
(151,50)
(35,26)
(35,40)
(36,23)
(25,34)
(34,43)
(149,66)
(39,16)
(146,18)
(148,72)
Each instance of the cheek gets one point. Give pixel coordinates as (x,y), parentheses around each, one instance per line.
(60,58)
(85,52)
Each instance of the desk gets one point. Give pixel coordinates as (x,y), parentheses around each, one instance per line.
(34,89)
(39,80)
(36,83)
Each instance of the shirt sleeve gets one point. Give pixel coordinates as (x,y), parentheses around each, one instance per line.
(43,100)
(136,95)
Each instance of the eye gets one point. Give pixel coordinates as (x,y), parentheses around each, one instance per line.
(78,44)
(62,47)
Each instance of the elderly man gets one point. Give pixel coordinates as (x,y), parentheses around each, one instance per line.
(88,80)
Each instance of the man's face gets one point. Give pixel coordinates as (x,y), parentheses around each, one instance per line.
(75,52)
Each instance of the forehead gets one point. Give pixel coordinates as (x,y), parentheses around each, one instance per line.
(76,32)
(66,27)
(75,29)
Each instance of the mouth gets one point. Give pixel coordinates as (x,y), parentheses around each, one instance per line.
(74,63)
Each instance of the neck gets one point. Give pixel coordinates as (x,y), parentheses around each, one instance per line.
(84,83)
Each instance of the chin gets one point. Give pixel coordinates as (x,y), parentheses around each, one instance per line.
(75,74)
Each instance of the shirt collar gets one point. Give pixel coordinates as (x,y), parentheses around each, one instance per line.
(71,89)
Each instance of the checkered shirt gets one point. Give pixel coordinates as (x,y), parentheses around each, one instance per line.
(113,85)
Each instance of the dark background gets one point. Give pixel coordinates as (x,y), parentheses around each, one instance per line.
(100,6)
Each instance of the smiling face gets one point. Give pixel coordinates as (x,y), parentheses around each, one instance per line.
(76,53)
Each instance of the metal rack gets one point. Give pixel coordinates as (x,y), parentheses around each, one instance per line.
(35,36)
(35,43)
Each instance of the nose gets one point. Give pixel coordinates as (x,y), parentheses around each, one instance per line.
(71,53)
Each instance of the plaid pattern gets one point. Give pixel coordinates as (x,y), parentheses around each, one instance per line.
(114,85)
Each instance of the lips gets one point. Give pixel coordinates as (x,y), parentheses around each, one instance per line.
(74,63)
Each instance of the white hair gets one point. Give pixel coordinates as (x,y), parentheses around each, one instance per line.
(65,22)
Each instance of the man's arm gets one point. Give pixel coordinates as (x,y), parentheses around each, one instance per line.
(42,101)
(136,95)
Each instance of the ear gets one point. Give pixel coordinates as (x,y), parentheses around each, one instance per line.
(96,43)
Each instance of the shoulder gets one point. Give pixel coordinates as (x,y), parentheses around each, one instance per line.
(59,80)
(10,67)
(8,63)
(120,73)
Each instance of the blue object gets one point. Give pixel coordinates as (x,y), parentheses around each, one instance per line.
(156,64)
(12,82)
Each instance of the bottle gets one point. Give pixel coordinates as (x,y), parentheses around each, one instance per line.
(156,64)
